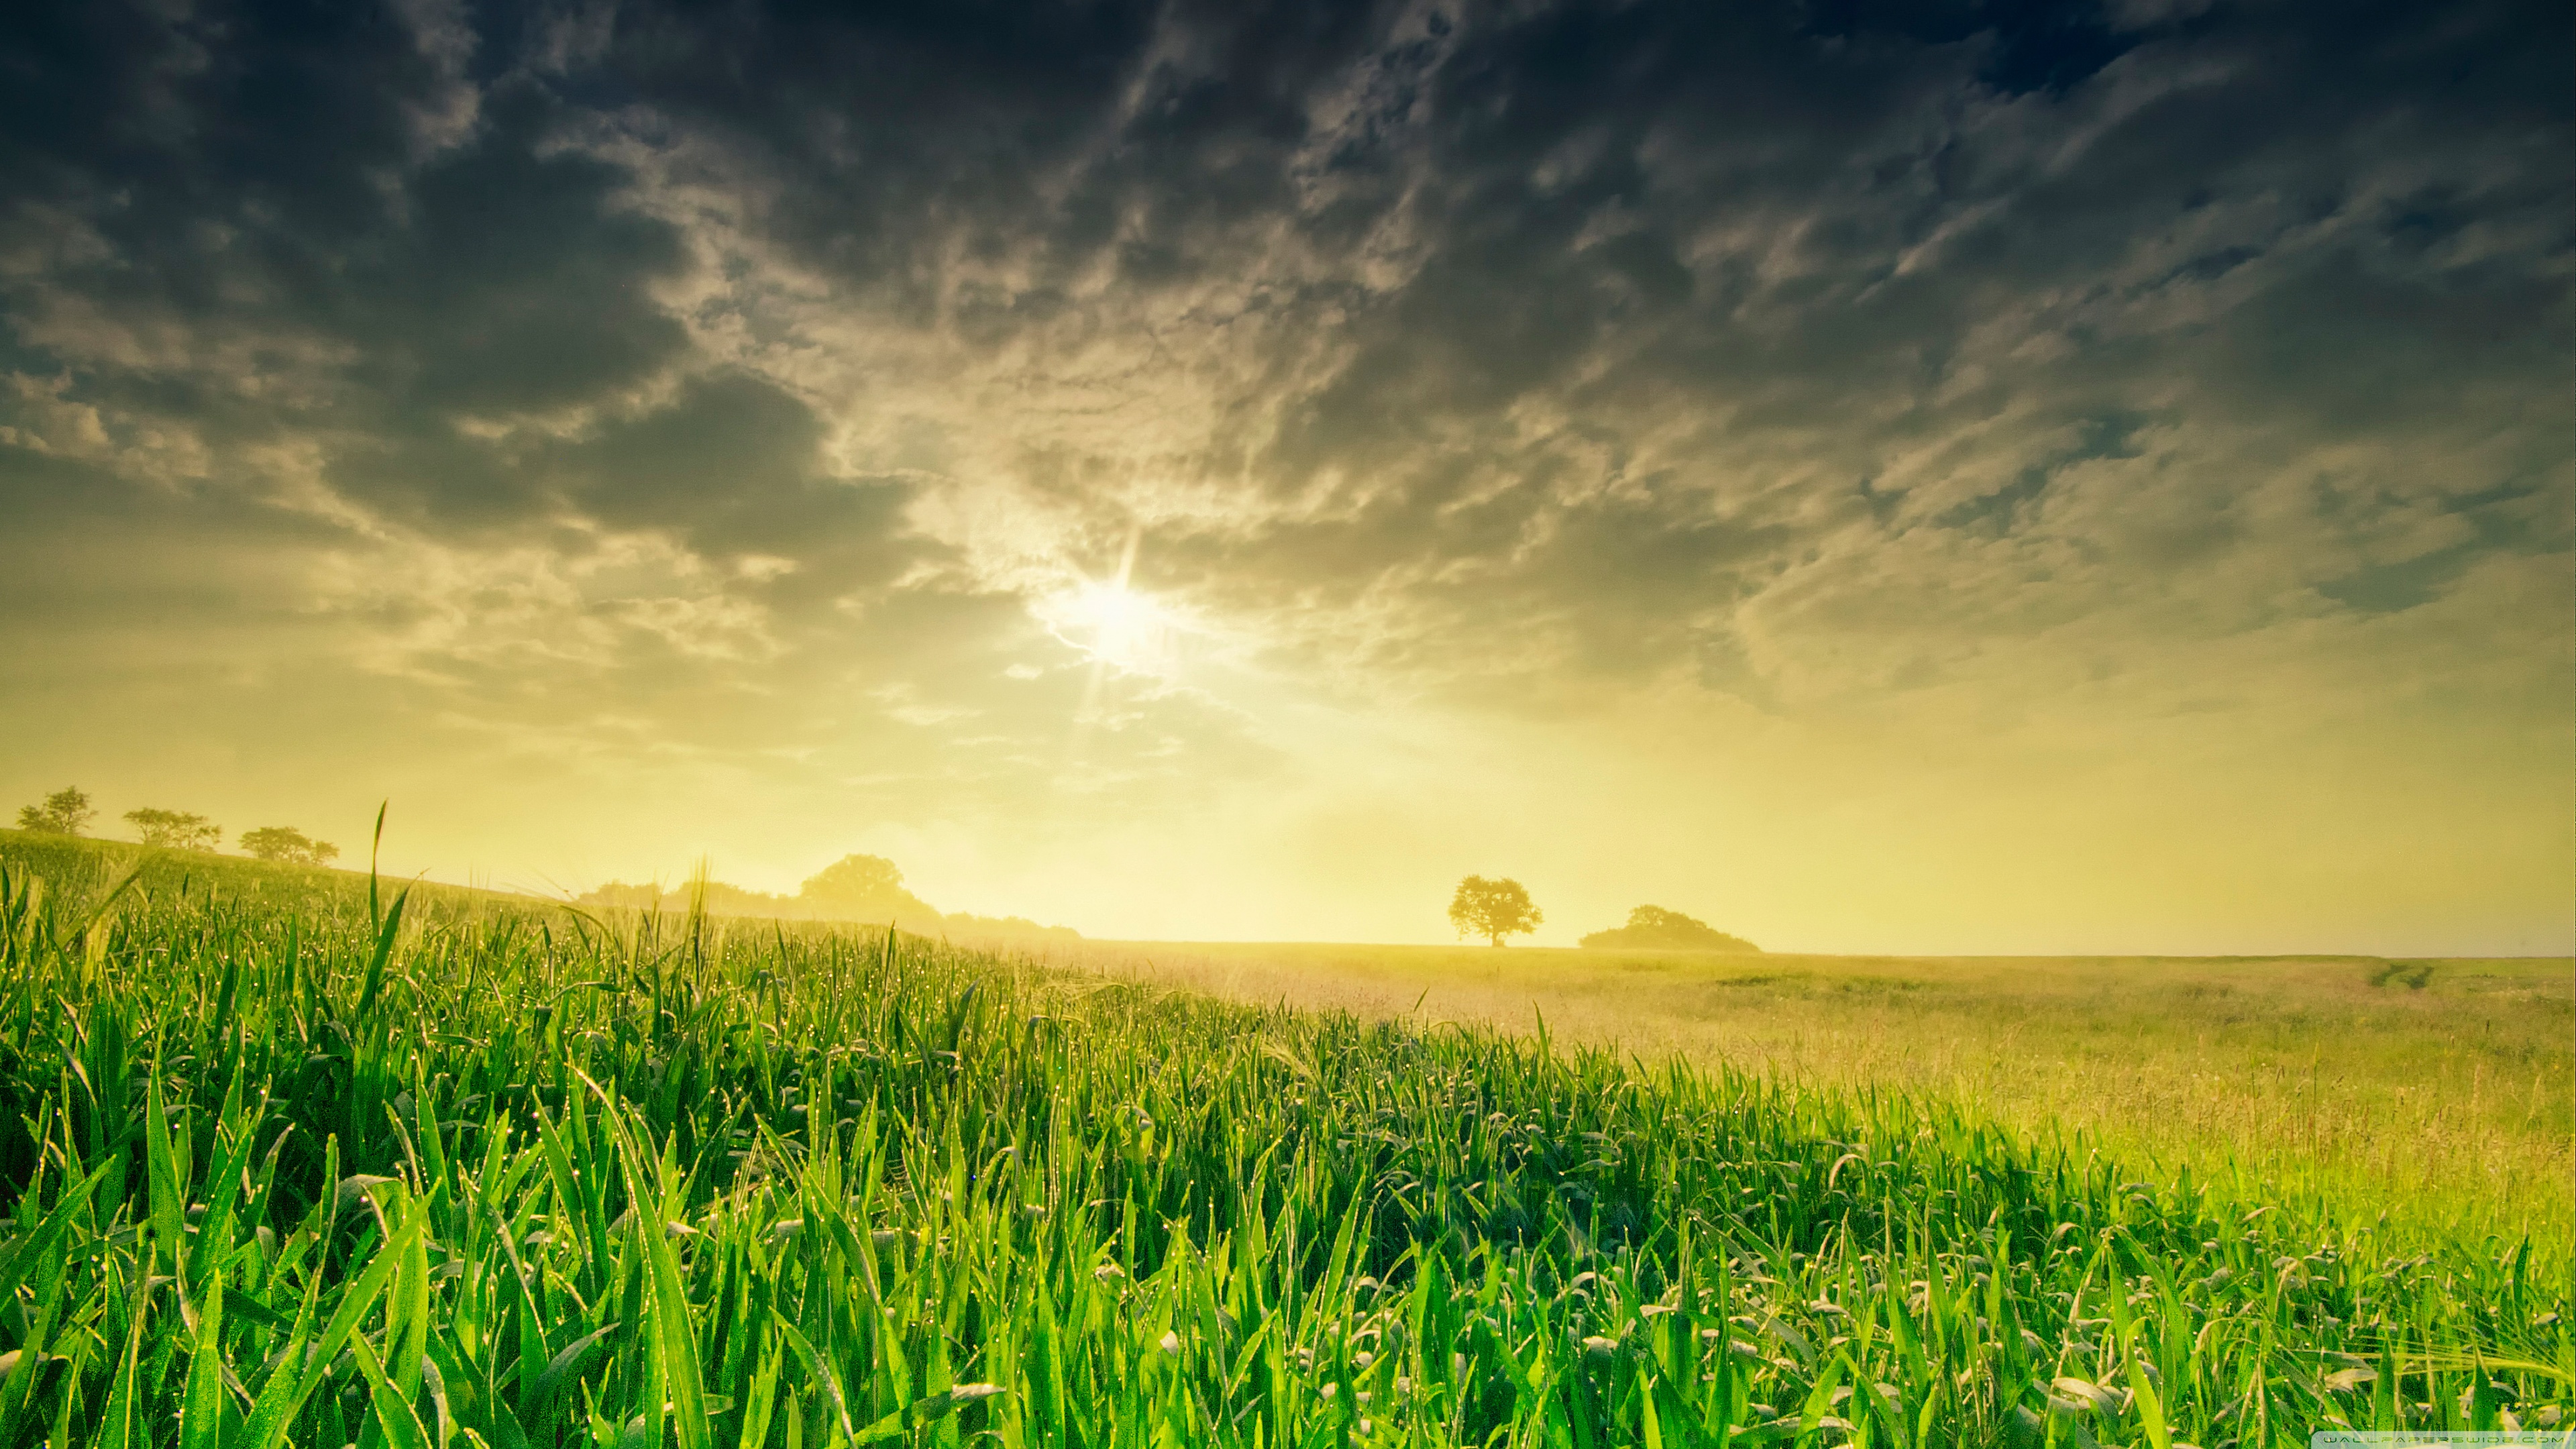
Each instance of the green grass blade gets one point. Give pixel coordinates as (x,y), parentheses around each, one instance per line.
(394,1413)
(201,1413)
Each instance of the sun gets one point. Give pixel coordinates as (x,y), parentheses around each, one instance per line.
(1117,626)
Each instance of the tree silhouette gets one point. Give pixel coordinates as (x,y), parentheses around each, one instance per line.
(1654,927)
(174,829)
(1492,909)
(65,812)
(854,877)
(281,842)
(865,888)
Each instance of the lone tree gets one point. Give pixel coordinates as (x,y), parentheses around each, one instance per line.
(65,812)
(1492,909)
(280,842)
(864,888)
(854,878)
(174,829)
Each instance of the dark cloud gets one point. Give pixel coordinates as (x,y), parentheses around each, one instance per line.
(673,421)
(1598,318)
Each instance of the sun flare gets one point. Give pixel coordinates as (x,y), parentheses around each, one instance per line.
(1119,627)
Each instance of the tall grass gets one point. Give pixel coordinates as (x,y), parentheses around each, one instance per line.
(293,1162)
(2334,1082)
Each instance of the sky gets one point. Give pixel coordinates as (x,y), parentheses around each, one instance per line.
(1927,478)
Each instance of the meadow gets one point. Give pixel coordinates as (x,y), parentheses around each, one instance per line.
(293,1158)
(2439,1093)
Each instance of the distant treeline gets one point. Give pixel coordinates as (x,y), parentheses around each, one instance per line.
(857,888)
(1653,927)
(865,888)
(68,812)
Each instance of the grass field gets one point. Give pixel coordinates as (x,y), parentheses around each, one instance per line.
(2442,1093)
(289,1163)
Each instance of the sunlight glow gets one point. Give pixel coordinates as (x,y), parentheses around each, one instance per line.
(1118,627)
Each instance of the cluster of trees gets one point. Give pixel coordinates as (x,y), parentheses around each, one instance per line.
(854,888)
(64,812)
(1657,928)
(279,842)
(1498,908)
(175,829)
(68,812)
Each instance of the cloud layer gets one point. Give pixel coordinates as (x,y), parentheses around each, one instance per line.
(1872,427)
